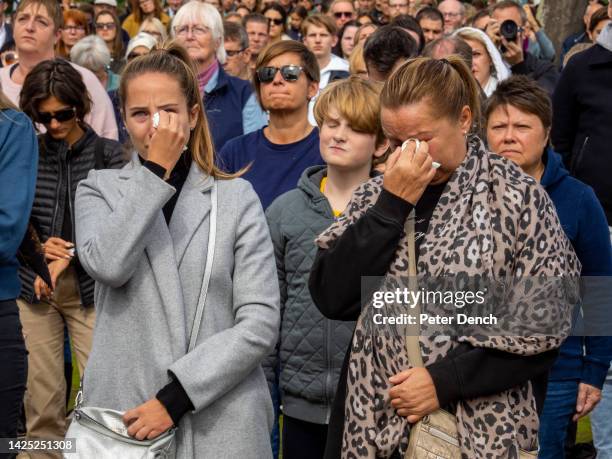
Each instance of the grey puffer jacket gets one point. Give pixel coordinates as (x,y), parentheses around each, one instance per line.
(311,348)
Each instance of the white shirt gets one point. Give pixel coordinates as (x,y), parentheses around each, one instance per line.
(335,63)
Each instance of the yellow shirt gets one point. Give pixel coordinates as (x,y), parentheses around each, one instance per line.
(323,184)
(131,26)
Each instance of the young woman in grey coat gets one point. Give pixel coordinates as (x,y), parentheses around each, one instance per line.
(142,234)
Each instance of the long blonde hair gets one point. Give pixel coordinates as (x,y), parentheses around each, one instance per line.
(172,59)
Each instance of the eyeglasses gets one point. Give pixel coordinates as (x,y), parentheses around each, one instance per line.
(232,53)
(289,73)
(105,26)
(60,116)
(183,31)
(275,21)
(74,28)
(346,14)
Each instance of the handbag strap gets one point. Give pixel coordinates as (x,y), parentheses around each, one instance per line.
(210,254)
(413,348)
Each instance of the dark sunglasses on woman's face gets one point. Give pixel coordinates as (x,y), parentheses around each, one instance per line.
(288,72)
(61,116)
(275,21)
(105,26)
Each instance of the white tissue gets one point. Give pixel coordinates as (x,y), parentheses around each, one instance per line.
(155,119)
(417,143)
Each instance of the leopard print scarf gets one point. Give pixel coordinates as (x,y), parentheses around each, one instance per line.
(492,220)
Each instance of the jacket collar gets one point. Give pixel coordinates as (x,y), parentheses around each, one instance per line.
(53,146)
(217,82)
(190,210)
(599,55)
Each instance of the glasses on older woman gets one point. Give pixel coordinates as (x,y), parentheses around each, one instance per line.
(198,30)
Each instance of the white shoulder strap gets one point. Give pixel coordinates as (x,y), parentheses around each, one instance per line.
(193,337)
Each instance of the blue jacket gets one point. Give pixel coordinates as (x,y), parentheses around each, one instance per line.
(18,166)
(585,225)
(231,108)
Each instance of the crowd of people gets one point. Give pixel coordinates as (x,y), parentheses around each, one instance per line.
(192,194)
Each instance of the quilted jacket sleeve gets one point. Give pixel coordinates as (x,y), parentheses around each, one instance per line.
(274,215)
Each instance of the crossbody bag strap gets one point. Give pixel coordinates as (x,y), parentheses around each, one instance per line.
(210,254)
(413,348)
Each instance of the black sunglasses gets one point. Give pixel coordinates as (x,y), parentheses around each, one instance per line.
(275,21)
(346,14)
(288,72)
(61,116)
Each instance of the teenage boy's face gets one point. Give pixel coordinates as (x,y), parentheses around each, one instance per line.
(287,96)
(320,41)
(34,30)
(342,147)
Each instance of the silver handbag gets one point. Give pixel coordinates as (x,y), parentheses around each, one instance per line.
(100,432)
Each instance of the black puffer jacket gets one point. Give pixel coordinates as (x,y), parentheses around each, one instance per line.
(60,167)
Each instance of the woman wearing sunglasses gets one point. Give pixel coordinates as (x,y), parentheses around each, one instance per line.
(277,18)
(231,107)
(54,96)
(286,79)
(108,28)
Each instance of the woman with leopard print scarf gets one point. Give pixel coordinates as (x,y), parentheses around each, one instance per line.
(475,215)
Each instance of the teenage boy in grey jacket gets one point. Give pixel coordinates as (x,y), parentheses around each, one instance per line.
(311,348)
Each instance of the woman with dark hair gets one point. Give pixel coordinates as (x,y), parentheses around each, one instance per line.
(55,96)
(296,16)
(108,28)
(143,233)
(277,18)
(141,10)
(446,216)
(346,39)
(18,159)
(74,28)
(519,118)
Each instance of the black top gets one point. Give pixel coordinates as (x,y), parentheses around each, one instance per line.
(173,395)
(369,246)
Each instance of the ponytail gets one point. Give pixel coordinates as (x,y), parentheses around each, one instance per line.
(447,84)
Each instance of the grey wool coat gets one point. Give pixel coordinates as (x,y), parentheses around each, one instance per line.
(148,279)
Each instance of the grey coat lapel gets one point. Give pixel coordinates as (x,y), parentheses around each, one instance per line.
(190,211)
(159,250)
